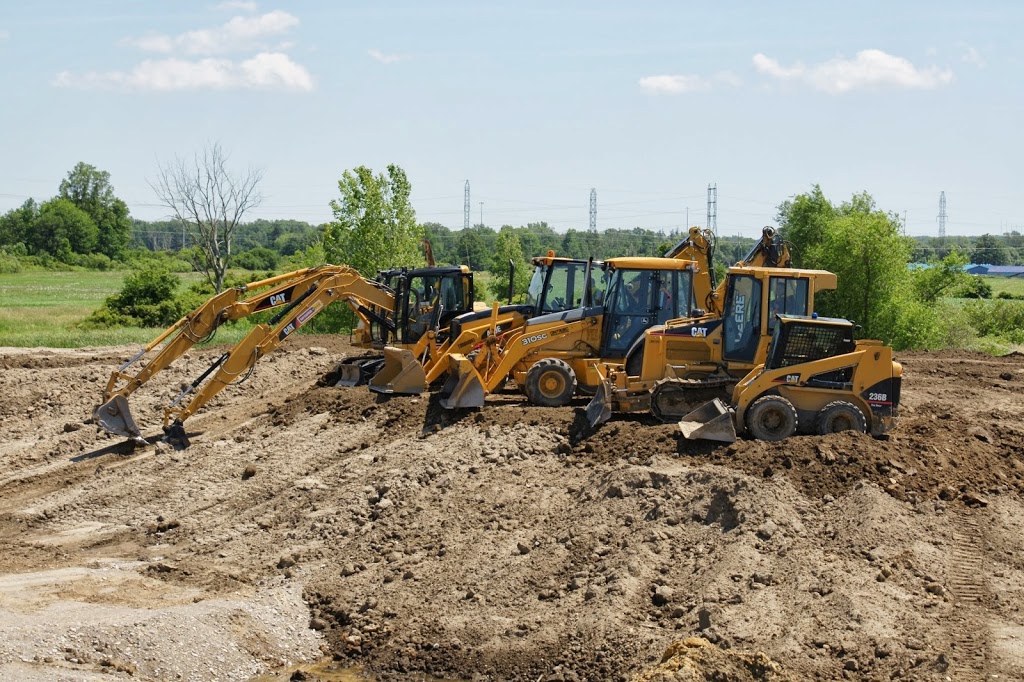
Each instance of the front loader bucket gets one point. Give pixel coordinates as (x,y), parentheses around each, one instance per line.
(115,417)
(599,409)
(710,421)
(464,387)
(402,373)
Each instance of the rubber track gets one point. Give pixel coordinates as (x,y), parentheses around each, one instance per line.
(969,594)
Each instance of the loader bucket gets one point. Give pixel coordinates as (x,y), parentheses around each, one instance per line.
(401,373)
(464,387)
(710,421)
(115,417)
(599,409)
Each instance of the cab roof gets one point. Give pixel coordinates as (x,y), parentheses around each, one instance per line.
(823,279)
(548,260)
(815,319)
(649,263)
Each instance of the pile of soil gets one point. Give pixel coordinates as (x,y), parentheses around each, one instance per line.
(509,543)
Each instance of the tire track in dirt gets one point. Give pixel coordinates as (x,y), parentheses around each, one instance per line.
(970,634)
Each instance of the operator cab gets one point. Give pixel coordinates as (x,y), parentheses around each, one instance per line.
(642,292)
(561,284)
(427,299)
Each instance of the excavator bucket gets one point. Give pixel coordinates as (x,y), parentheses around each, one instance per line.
(599,409)
(115,417)
(710,421)
(464,387)
(402,373)
(346,374)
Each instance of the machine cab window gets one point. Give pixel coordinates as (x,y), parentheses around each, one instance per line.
(558,287)
(638,299)
(741,326)
(786,296)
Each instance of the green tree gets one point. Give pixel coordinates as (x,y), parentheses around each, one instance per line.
(940,277)
(865,249)
(90,190)
(507,248)
(990,250)
(61,230)
(374,224)
(16,224)
(802,222)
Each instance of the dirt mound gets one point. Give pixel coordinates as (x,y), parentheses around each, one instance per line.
(695,660)
(514,542)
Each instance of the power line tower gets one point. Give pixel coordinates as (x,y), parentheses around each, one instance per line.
(942,215)
(712,223)
(593,210)
(465,209)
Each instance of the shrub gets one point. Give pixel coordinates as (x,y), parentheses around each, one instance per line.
(998,318)
(259,258)
(975,287)
(147,299)
(9,264)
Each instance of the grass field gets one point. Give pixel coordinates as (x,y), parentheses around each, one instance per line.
(43,309)
(1013,285)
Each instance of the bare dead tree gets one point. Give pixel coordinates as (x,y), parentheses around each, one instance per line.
(210,202)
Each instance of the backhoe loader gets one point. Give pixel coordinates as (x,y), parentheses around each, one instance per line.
(553,354)
(816,379)
(373,302)
(688,361)
(411,365)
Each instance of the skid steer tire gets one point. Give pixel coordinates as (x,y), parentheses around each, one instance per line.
(550,382)
(771,418)
(840,415)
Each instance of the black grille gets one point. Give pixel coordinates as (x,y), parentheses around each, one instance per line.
(808,342)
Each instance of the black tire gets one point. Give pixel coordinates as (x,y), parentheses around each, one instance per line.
(550,382)
(771,418)
(840,415)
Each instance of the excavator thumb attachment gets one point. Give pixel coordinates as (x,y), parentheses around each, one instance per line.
(402,373)
(464,387)
(710,421)
(599,409)
(115,417)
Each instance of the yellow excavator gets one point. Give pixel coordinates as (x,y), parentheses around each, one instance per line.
(552,355)
(412,363)
(300,295)
(816,379)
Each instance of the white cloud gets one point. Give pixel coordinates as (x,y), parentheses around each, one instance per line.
(972,56)
(266,71)
(384,58)
(243,5)
(868,69)
(237,34)
(673,85)
(678,84)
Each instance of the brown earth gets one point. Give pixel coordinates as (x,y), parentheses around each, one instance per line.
(510,543)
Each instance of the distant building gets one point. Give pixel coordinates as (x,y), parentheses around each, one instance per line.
(973,269)
(1005,271)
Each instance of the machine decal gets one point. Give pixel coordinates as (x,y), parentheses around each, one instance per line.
(533,339)
(308,313)
(280,298)
(702,329)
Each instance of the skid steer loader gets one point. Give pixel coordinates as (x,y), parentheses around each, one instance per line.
(816,379)
(685,362)
(412,364)
(552,355)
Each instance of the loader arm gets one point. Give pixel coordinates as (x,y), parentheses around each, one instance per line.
(346,285)
(699,246)
(113,413)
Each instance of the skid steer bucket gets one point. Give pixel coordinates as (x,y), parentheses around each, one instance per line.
(402,373)
(710,421)
(347,374)
(115,417)
(599,409)
(464,387)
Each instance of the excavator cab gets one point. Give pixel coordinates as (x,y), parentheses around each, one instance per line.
(638,299)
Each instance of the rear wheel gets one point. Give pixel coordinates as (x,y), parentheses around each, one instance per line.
(550,382)
(840,415)
(771,418)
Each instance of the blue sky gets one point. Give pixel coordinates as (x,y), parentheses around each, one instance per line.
(533,102)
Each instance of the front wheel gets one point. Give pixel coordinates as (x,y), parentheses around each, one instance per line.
(550,382)
(771,418)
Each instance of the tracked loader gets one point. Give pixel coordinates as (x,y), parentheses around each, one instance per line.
(817,379)
(552,355)
(685,362)
(415,361)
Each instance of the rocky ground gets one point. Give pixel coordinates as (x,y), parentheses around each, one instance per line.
(510,543)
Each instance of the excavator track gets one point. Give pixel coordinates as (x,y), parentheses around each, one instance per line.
(672,399)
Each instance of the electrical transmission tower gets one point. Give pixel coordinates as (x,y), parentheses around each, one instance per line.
(942,215)
(466,207)
(712,223)
(593,210)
